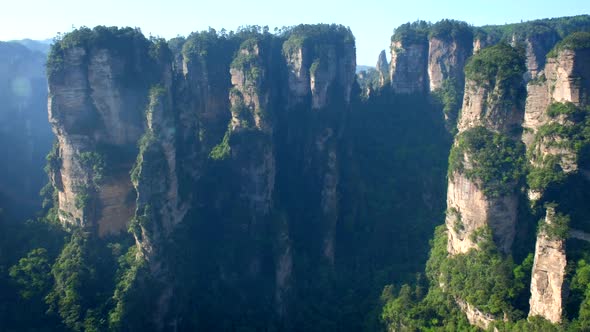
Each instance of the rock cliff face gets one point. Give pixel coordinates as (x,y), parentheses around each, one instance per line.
(201,92)
(408,68)
(319,72)
(558,93)
(332,73)
(253,154)
(537,46)
(220,106)
(227,160)
(569,78)
(446,59)
(91,110)
(159,205)
(561,87)
(475,316)
(25,134)
(383,69)
(563,79)
(298,73)
(548,275)
(469,210)
(490,108)
(487,104)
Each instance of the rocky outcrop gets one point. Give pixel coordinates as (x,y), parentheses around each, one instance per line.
(548,287)
(494,94)
(201,94)
(535,115)
(382,68)
(332,74)
(567,75)
(318,73)
(482,39)
(551,101)
(474,315)
(94,115)
(253,154)
(557,93)
(408,68)
(298,73)
(468,209)
(97,100)
(490,107)
(159,206)
(561,80)
(536,47)
(479,43)
(446,59)
(495,106)
(133,122)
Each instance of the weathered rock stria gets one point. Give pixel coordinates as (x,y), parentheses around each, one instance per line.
(548,276)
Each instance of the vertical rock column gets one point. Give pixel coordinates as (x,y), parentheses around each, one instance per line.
(321,71)
(536,47)
(160,207)
(201,97)
(408,68)
(548,275)
(251,121)
(253,158)
(383,69)
(450,44)
(96,115)
(555,99)
(481,193)
(446,59)
(491,108)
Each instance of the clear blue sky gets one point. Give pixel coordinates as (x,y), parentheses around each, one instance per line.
(372,21)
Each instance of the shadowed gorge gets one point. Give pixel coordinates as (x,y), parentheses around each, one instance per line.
(253,181)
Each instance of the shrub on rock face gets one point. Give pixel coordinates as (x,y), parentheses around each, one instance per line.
(500,65)
(496,160)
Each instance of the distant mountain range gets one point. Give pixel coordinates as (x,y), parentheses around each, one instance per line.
(360,68)
(35,45)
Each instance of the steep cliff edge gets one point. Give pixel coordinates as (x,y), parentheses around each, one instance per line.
(201,95)
(536,47)
(555,114)
(548,276)
(382,68)
(555,120)
(251,126)
(450,44)
(481,188)
(330,60)
(409,58)
(485,165)
(154,177)
(494,98)
(96,111)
